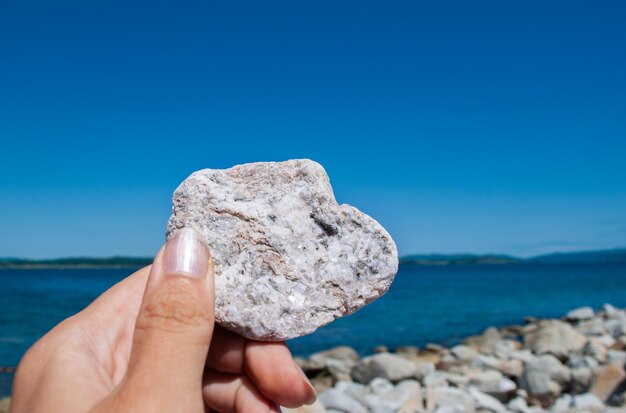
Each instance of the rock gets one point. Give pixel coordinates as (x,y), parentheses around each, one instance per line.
(616,326)
(562,404)
(486,342)
(592,327)
(582,378)
(612,312)
(380,386)
(435,379)
(578,314)
(422,368)
(316,407)
(608,381)
(337,400)
(409,351)
(406,397)
(357,391)
(386,365)
(619,343)
(596,349)
(484,401)
(288,259)
(587,401)
(607,340)
(337,353)
(463,352)
(518,405)
(321,383)
(544,375)
(555,337)
(504,348)
(502,389)
(381,349)
(616,356)
(5,403)
(338,361)
(524,355)
(513,368)
(447,399)
(583,361)
(441,379)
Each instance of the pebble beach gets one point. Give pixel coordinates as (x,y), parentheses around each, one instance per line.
(571,364)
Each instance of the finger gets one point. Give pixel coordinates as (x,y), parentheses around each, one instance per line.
(232,393)
(272,368)
(175,322)
(263,362)
(227,351)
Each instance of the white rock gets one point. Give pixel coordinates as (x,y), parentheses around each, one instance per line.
(288,259)
(316,407)
(544,375)
(587,401)
(380,386)
(592,327)
(616,356)
(518,405)
(582,313)
(448,399)
(485,401)
(555,337)
(616,326)
(337,400)
(581,379)
(611,311)
(562,404)
(442,378)
(406,397)
(388,366)
(355,390)
(596,349)
(463,352)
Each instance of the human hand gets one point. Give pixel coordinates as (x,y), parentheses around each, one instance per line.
(125,353)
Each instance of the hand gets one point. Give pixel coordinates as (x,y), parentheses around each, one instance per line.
(128,354)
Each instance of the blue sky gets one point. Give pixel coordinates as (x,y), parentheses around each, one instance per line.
(461,126)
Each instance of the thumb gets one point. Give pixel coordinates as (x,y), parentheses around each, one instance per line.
(175,322)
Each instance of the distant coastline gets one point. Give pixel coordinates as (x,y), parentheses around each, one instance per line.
(617,255)
(64,263)
(581,257)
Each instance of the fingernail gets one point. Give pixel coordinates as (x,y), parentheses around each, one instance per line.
(312,393)
(186,254)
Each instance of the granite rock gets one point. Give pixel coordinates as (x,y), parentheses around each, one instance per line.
(288,259)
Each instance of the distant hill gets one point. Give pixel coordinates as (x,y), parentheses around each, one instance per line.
(457,259)
(580,257)
(590,257)
(111,262)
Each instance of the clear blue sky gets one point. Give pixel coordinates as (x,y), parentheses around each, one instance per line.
(461,126)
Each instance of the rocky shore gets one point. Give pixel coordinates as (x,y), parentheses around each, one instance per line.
(573,364)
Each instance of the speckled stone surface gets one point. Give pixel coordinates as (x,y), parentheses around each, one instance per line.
(288,259)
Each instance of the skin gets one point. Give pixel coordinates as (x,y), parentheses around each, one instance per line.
(150,344)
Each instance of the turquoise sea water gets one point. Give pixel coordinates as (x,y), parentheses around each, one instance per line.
(424,304)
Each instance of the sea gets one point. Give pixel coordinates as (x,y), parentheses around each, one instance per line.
(425,304)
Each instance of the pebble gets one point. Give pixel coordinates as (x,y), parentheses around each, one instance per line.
(288,259)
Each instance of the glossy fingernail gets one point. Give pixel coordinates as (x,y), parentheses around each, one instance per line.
(312,393)
(186,254)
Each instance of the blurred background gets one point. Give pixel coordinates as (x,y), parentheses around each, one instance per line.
(490,133)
